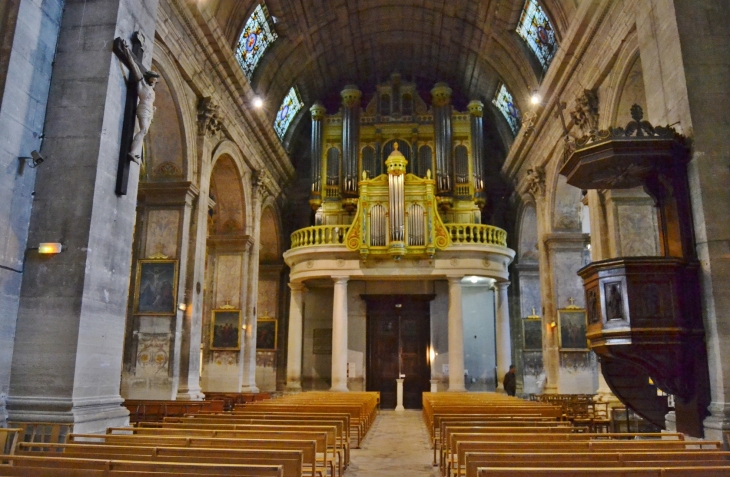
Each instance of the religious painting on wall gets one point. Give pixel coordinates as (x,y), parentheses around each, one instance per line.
(266,329)
(225,333)
(156,292)
(532,334)
(572,324)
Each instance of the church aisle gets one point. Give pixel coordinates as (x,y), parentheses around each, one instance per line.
(396,445)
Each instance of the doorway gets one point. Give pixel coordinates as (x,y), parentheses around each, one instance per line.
(399,332)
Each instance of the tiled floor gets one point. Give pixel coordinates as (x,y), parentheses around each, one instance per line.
(397,445)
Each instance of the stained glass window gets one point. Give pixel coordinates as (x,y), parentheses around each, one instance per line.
(504,102)
(535,29)
(255,38)
(289,108)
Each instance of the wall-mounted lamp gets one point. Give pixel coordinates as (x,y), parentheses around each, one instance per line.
(535,98)
(182,307)
(553,325)
(243,327)
(50,248)
(258,103)
(34,160)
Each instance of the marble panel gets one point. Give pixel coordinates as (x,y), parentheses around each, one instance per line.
(162,232)
(228,280)
(637,226)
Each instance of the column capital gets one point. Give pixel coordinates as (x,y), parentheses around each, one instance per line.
(341,279)
(297,286)
(454,279)
(502,285)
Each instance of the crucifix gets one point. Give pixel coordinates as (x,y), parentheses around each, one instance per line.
(138,108)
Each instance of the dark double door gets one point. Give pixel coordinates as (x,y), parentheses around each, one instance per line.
(397,343)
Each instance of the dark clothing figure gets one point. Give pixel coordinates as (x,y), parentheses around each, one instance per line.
(510,381)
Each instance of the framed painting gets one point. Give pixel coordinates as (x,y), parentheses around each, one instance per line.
(572,325)
(156,291)
(266,330)
(225,329)
(532,335)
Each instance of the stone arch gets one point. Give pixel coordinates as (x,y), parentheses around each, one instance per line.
(527,241)
(226,190)
(626,85)
(270,239)
(227,150)
(169,146)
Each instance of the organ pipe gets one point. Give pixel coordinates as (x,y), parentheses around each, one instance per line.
(396,173)
(441,99)
(318,112)
(350,138)
(476,112)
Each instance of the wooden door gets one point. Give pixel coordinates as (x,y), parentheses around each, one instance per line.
(398,339)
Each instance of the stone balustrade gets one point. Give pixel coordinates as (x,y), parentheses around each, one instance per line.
(476,234)
(319,235)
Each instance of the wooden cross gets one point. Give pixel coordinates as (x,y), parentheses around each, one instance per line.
(572,301)
(133,61)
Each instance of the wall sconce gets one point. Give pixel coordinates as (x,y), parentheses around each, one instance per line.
(182,307)
(49,248)
(34,160)
(243,327)
(553,325)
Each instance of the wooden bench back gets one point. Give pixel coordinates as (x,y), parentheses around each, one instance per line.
(604,472)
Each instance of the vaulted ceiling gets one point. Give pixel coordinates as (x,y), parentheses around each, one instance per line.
(325,44)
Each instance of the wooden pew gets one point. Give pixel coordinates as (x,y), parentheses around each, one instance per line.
(8,440)
(330,443)
(722,471)
(290,460)
(156,410)
(226,422)
(474,460)
(29,462)
(589,446)
(272,440)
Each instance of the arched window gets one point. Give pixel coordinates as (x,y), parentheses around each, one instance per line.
(289,108)
(504,102)
(407,105)
(535,28)
(257,35)
(385,105)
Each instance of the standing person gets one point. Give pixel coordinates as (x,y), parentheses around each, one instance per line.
(510,381)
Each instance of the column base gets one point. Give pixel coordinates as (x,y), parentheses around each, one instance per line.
(88,415)
(434,385)
(340,388)
(248,388)
(717,422)
(293,387)
(189,395)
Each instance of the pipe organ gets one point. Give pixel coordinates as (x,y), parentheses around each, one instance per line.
(397,168)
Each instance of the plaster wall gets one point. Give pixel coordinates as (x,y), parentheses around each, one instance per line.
(479,337)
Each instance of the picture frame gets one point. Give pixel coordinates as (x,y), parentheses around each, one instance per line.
(225,329)
(532,334)
(266,334)
(156,287)
(572,326)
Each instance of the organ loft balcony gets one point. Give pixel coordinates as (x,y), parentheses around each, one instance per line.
(397,190)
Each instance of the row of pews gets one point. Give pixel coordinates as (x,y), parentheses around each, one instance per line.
(488,435)
(306,434)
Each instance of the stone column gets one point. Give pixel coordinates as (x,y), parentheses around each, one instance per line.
(456,336)
(259,193)
(504,343)
(339,335)
(208,134)
(294,350)
(70,329)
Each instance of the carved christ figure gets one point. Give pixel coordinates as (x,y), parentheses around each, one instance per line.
(146,82)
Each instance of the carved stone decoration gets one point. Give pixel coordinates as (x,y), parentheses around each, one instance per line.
(585,114)
(208,116)
(535,180)
(261,184)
